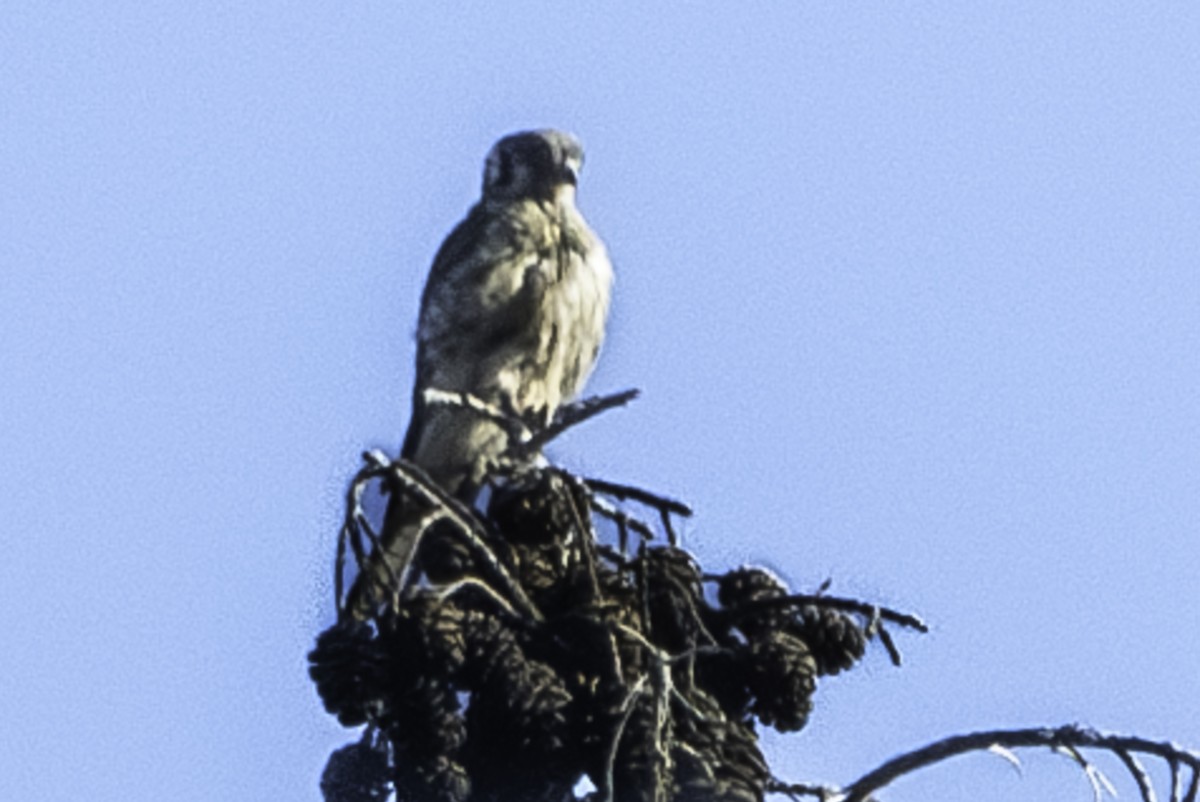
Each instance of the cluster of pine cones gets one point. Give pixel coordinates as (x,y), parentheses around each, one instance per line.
(632,676)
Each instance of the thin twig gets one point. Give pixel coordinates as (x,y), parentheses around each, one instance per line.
(869,611)
(1098,779)
(664,690)
(626,712)
(643,589)
(603,508)
(393,579)
(885,638)
(444,592)
(339,570)
(663,740)
(874,622)
(339,576)
(615,556)
(577,491)
(354,535)
(1138,772)
(797,790)
(569,416)
(672,537)
(349,532)
(665,506)
(629,493)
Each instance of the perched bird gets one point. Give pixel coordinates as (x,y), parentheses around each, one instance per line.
(513,314)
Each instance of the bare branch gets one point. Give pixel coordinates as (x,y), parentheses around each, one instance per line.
(350,532)
(622,518)
(579,499)
(626,711)
(1138,772)
(672,537)
(1176,779)
(339,570)
(869,611)
(469,527)
(885,638)
(1008,755)
(512,424)
(412,478)
(1070,739)
(569,416)
(376,548)
(797,790)
(444,592)
(629,493)
(1097,778)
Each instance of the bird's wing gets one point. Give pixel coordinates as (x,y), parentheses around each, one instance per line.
(478,301)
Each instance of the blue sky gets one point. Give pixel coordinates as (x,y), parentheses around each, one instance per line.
(911,291)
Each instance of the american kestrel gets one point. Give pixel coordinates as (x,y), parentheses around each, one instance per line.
(512,314)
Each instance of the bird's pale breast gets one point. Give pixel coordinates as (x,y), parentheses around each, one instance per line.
(517,322)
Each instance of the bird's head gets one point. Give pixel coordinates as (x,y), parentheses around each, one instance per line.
(541,165)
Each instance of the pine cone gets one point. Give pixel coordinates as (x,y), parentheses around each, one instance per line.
(358,772)
(351,670)
(535,508)
(744,586)
(717,758)
(835,638)
(519,735)
(675,597)
(782,679)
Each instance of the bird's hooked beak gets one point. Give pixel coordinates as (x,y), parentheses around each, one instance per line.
(567,177)
(569,174)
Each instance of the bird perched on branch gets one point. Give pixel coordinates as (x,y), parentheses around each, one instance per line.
(512,315)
